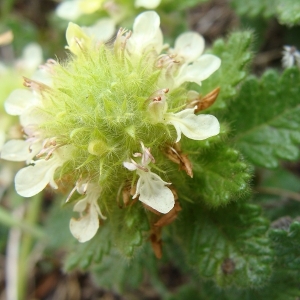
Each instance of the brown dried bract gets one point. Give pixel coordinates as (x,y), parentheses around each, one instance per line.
(156,242)
(202,103)
(155,233)
(169,217)
(127,192)
(175,155)
(151,209)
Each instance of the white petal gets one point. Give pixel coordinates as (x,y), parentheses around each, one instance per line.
(16,150)
(146,33)
(32,57)
(31,180)
(18,101)
(208,64)
(69,10)
(81,187)
(42,76)
(77,38)
(32,116)
(84,228)
(129,166)
(80,206)
(189,45)
(103,30)
(146,24)
(195,127)
(200,70)
(90,6)
(154,193)
(149,4)
(157,41)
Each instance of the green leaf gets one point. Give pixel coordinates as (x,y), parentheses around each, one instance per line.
(278,288)
(228,245)
(121,274)
(235,54)
(220,175)
(57,226)
(287,248)
(266,118)
(254,8)
(81,256)
(128,226)
(115,272)
(288,12)
(278,193)
(284,283)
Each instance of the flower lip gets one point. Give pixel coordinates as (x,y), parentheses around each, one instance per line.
(188,46)
(86,226)
(150,188)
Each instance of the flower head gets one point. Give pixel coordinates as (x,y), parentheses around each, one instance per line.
(83,119)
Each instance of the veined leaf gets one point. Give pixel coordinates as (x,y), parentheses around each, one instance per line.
(287,248)
(266,118)
(278,288)
(287,11)
(85,254)
(228,245)
(254,8)
(220,175)
(128,227)
(235,54)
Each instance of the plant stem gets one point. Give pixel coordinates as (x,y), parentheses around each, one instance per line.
(12,257)
(7,219)
(32,216)
(279,192)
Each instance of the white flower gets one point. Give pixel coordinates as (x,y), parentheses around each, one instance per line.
(87,225)
(102,30)
(198,71)
(31,180)
(32,57)
(149,4)
(73,9)
(24,103)
(186,62)
(19,101)
(69,10)
(20,150)
(79,38)
(291,57)
(146,34)
(188,47)
(150,187)
(195,127)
